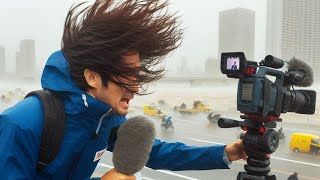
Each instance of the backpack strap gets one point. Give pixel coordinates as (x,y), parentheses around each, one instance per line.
(53,126)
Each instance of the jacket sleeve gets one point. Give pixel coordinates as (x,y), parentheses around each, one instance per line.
(18,152)
(178,156)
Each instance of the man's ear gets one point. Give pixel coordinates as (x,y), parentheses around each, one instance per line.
(92,78)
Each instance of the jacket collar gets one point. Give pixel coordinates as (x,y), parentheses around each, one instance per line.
(56,77)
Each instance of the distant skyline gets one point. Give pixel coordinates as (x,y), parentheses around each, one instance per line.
(42,20)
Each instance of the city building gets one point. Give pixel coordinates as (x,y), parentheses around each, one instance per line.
(2,60)
(293,29)
(237,31)
(25,59)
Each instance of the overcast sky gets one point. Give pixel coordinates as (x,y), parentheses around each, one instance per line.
(42,20)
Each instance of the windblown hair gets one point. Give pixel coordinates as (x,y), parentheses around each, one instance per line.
(99,35)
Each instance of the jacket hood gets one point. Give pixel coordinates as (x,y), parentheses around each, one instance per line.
(56,77)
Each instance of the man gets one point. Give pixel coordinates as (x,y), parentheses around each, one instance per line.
(163,119)
(293,176)
(183,106)
(107,55)
(168,120)
(281,133)
(234,66)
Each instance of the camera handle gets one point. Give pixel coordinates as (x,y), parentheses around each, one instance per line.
(259,140)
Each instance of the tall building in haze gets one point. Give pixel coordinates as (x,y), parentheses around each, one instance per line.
(237,31)
(2,60)
(25,59)
(293,29)
(212,67)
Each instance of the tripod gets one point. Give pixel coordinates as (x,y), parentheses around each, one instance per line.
(259,140)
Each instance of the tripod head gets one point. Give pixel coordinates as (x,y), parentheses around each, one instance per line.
(259,140)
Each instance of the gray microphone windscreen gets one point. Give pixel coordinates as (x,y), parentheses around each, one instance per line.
(296,64)
(134,142)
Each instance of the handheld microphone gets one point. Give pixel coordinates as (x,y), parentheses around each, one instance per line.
(299,73)
(135,139)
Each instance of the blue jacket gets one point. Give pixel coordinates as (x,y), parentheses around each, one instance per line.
(21,128)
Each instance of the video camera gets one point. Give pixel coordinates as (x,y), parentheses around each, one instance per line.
(261,101)
(257,94)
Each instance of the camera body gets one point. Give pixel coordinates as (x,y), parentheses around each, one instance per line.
(259,95)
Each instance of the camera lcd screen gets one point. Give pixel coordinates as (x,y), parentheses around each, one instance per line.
(233,63)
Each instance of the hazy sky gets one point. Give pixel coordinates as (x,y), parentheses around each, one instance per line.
(42,20)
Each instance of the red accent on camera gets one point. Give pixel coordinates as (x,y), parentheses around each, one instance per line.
(261,129)
(250,70)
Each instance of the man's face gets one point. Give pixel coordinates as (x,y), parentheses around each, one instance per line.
(116,97)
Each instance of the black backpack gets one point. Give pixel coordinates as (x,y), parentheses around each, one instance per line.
(53,126)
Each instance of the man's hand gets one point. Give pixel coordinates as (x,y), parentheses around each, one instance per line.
(235,151)
(114,175)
